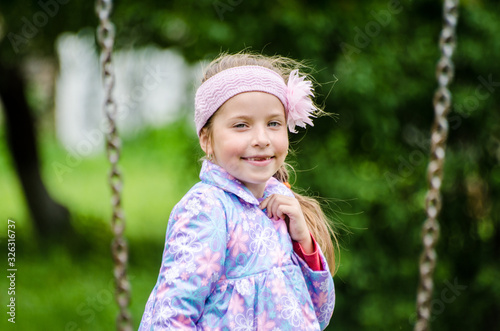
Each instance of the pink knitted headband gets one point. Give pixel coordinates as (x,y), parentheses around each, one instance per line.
(295,96)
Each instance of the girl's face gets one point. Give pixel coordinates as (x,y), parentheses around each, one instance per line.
(249,138)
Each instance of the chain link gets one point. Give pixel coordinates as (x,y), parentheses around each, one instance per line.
(119,248)
(442,105)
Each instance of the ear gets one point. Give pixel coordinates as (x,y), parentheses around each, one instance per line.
(205,143)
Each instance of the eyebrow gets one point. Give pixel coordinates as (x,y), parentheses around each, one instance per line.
(247,117)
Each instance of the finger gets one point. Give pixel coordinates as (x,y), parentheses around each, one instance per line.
(264,204)
(281,212)
(270,205)
(278,202)
(285,210)
(274,204)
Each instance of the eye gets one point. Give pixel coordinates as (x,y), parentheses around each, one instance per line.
(274,124)
(239,125)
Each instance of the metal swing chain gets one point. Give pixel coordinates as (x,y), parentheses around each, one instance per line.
(105,37)
(442,105)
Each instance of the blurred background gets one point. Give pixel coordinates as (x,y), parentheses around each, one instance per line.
(374,62)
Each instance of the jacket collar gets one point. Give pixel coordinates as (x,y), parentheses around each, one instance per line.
(215,175)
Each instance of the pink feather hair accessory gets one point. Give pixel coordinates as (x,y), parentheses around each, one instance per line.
(300,106)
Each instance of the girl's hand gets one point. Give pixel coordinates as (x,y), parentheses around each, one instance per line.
(288,208)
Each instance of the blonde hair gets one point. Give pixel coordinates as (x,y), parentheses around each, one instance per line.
(317,222)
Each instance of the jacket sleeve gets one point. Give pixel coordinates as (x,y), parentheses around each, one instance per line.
(193,260)
(320,287)
(313,259)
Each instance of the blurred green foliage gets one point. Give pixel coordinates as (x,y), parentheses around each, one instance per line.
(370,163)
(61,289)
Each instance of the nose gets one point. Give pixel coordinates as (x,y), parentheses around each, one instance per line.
(260,137)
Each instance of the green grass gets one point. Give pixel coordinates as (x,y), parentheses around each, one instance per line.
(71,288)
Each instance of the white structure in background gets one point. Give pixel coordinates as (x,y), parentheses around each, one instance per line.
(152,85)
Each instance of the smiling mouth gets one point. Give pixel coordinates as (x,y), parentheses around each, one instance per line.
(258,158)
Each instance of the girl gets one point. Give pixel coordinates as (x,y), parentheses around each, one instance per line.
(243,251)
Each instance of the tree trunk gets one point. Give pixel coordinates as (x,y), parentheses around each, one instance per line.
(50,218)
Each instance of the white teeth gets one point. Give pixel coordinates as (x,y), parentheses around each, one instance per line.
(258,158)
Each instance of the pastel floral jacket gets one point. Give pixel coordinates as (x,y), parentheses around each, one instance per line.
(227,266)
